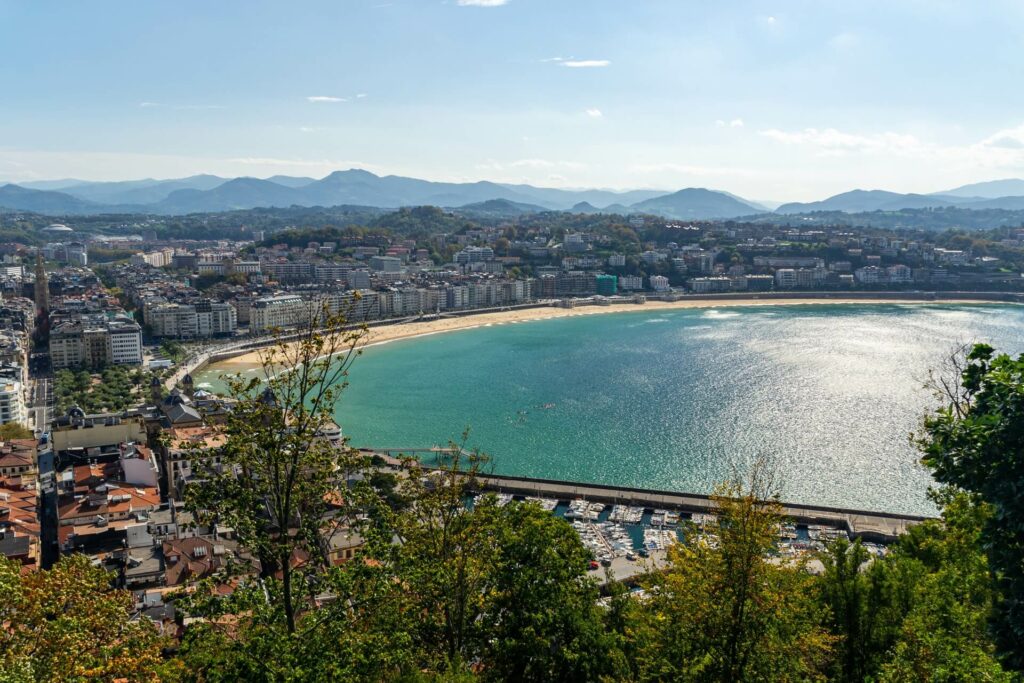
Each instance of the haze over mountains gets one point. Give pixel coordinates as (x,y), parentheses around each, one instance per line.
(208,193)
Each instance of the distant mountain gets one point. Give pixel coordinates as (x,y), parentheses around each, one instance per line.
(499,208)
(992,189)
(147,191)
(1007,203)
(619,209)
(240,193)
(867,200)
(557,198)
(50,184)
(360,187)
(584,207)
(696,203)
(44,201)
(291,181)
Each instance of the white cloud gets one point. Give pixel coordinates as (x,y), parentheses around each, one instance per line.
(594,113)
(585,63)
(325,98)
(830,140)
(148,105)
(481,3)
(734,123)
(361,96)
(1002,150)
(1010,138)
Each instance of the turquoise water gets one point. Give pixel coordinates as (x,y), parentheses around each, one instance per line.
(674,399)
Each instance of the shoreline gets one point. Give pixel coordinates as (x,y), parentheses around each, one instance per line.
(377,336)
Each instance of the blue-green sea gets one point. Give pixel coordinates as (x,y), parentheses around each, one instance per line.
(674,399)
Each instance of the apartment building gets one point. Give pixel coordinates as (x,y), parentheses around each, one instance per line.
(95,341)
(199,320)
(12,402)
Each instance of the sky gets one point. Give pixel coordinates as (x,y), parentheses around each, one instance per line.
(785,100)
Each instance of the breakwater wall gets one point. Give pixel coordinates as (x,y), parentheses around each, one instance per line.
(880,527)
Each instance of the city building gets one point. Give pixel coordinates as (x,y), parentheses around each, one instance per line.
(200,320)
(94,340)
(12,402)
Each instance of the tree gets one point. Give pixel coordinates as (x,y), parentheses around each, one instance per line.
(943,635)
(13,430)
(976,443)
(540,611)
(68,624)
(278,484)
(723,611)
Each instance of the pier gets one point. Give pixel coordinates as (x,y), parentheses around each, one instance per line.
(879,527)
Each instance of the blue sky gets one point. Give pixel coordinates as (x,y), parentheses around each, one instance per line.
(784,100)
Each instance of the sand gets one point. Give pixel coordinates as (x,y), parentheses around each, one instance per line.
(387,333)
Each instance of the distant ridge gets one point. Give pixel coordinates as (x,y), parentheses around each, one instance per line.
(359,187)
(694,203)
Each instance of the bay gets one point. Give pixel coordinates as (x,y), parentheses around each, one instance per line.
(677,399)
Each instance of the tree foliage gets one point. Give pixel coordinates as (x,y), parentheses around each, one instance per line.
(976,443)
(67,624)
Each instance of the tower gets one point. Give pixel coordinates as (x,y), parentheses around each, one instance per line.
(42,288)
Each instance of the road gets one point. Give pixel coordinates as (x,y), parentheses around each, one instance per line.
(42,403)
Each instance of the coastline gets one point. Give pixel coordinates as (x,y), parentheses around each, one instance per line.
(384,334)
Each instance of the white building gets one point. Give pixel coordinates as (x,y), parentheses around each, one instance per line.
(631,282)
(659,283)
(474,255)
(785,278)
(95,341)
(900,273)
(12,402)
(201,320)
(286,310)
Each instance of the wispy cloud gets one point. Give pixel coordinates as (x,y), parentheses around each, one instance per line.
(1003,149)
(326,98)
(735,123)
(148,105)
(594,113)
(832,141)
(481,3)
(574,63)
(361,95)
(586,63)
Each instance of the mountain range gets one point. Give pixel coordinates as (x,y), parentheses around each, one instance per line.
(209,193)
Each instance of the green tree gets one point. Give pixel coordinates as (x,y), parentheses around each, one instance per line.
(944,635)
(540,611)
(13,430)
(976,443)
(723,611)
(279,479)
(67,624)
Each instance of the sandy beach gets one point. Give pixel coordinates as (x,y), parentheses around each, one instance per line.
(388,333)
